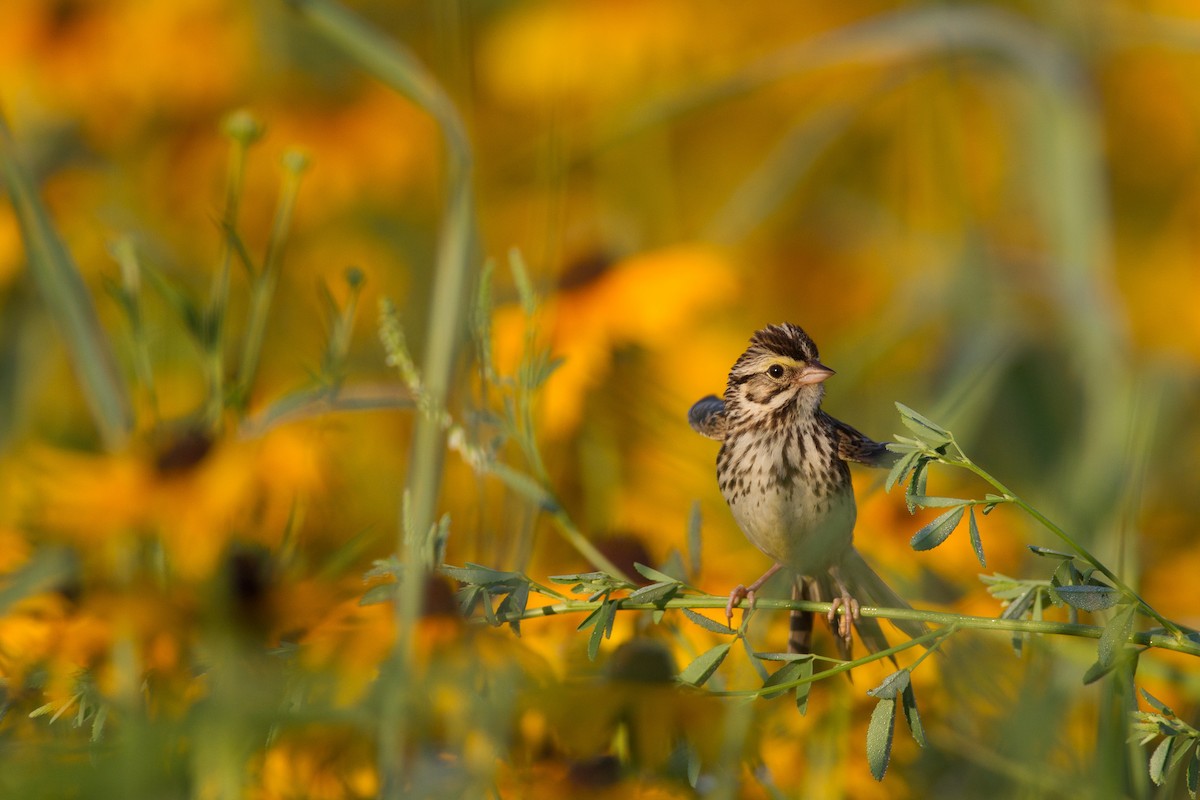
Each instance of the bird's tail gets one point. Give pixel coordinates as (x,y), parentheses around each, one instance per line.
(800,623)
(865,586)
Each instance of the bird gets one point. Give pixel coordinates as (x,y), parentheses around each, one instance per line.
(783,470)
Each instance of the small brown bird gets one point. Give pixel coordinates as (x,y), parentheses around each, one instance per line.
(783,470)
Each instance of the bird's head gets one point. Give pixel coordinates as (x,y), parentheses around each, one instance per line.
(780,368)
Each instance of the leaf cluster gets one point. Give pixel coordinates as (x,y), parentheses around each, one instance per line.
(1079,581)
(1180,743)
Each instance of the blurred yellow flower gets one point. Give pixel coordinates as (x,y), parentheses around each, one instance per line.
(194,493)
(319,763)
(646,300)
(29,634)
(115,65)
(550,52)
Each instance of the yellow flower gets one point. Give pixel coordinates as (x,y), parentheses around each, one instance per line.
(549,52)
(193,493)
(29,634)
(117,64)
(647,300)
(320,763)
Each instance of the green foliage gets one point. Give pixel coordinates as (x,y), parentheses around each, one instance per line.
(85,707)
(1079,581)
(1179,744)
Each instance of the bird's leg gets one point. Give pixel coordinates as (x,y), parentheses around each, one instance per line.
(741,592)
(844,627)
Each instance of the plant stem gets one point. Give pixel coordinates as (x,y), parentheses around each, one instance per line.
(568,530)
(1079,549)
(945,621)
(846,666)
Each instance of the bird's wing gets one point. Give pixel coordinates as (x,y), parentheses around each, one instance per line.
(854,446)
(707,417)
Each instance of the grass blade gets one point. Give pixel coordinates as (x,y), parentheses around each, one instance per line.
(69,302)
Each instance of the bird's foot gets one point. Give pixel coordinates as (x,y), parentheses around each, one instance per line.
(844,626)
(739,593)
(742,592)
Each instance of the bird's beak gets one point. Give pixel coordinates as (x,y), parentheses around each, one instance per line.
(815,372)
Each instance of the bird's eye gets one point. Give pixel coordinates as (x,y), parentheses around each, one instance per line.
(775,371)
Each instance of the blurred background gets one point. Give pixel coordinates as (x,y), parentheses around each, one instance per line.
(987,212)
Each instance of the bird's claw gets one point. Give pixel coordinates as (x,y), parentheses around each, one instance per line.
(844,626)
(739,593)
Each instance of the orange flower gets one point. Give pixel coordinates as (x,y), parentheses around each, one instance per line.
(195,494)
(322,763)
(646,300)
(116,64)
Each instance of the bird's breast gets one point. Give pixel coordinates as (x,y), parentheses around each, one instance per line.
(790,494)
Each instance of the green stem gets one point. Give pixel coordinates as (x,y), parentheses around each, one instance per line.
(846,666)
(218,302)
(567,529)
(263,287)
(397,67)
(945,620)
(1079,549)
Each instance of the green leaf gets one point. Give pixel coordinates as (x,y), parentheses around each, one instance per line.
(699,671)
(468,597)
(1180,752)
(520,273)
(879,736)
(754,662)
(545,367)
(1016,608)
(708,624)
(892,685)
(1158,760)
(514,606)
(593,617)
(579,577)
(806,672)
(1046,552)
(790,671)
(1158,705)
(1116,634)
(479,575)
(652,574)
(1097,671)
(916,483)
(1089,597)
(603,627)
(693,766)
(901,469)
(654,593)
(782,657)
(926,429)
(381,593)
(1067,574)
(42,710)
(912,716)
(1193,777)
(937,502)
(936,532)
(98,723)
(976,542)
(673,566)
